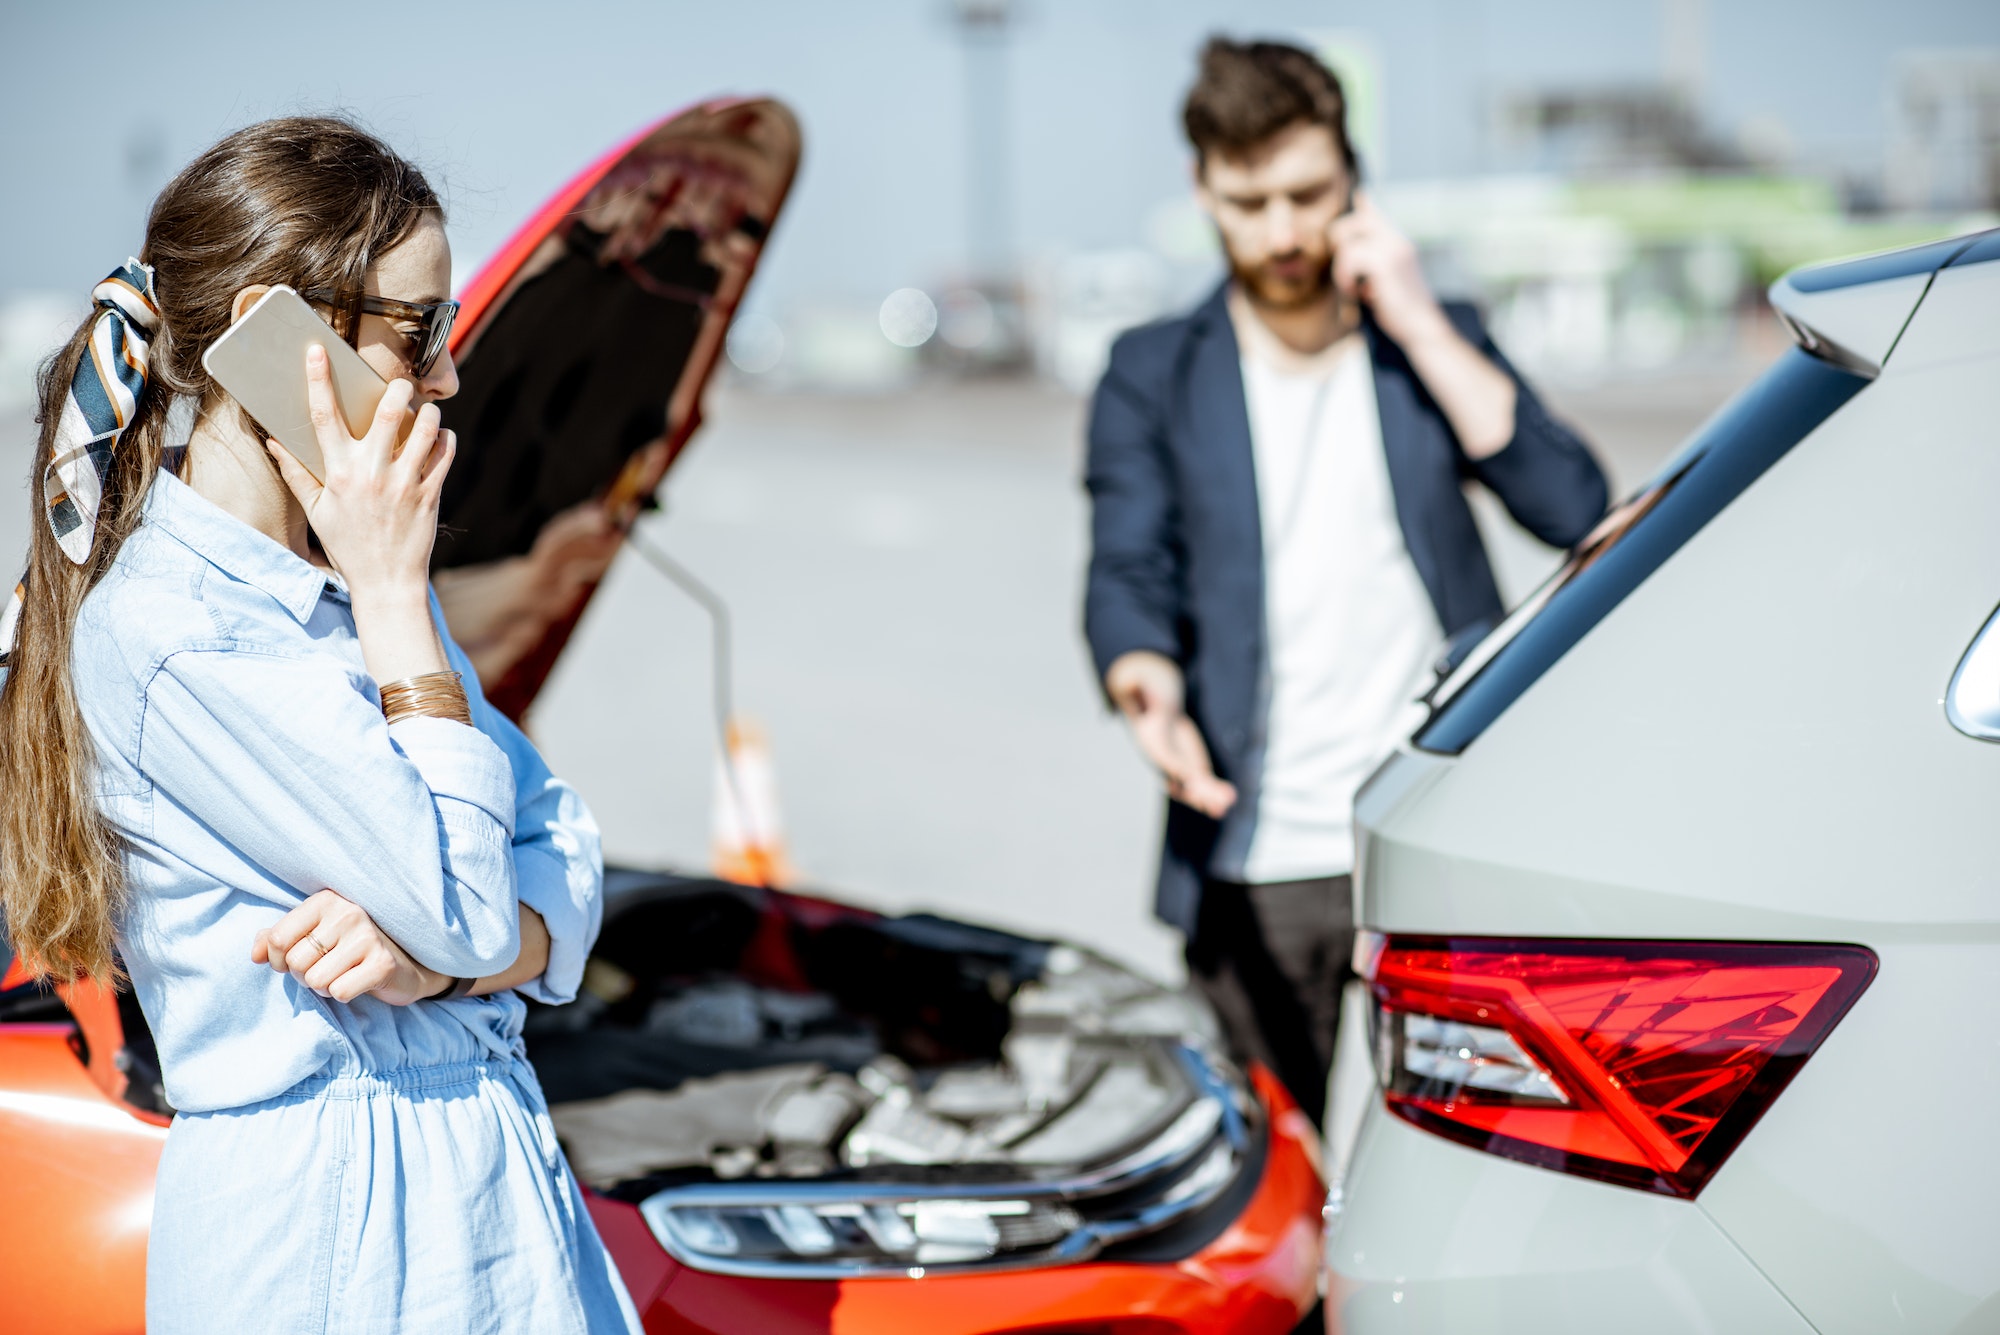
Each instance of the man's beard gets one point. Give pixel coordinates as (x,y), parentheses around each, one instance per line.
(1273,292)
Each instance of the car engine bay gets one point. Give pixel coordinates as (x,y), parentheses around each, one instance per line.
(732,1043)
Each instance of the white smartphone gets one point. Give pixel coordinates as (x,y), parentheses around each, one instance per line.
(261,361)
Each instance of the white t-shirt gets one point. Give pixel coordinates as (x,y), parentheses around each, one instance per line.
(1351,630)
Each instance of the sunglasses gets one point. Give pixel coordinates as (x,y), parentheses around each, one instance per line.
(421,349)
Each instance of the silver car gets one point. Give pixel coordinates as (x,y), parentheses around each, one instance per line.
(1682,910)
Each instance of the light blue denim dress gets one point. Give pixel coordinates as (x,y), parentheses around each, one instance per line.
(333,1168)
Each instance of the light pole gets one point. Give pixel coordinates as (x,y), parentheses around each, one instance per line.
(983,26)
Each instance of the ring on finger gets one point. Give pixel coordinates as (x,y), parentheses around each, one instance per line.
(323,950)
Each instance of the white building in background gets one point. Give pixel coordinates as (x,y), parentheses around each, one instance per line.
(1944,131)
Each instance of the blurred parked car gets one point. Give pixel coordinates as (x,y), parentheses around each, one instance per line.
(790,1115)
(1682,908)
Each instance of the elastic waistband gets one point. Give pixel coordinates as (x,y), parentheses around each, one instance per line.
(354,1084)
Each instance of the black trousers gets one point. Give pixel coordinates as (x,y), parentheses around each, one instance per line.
(1272,960)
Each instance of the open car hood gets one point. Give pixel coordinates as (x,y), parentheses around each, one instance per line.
(583,348)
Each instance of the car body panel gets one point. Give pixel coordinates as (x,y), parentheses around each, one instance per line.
(1437,1237)
(1758,738)
(76,1190)
(1868,1191)
(1753,746)
(642,1263)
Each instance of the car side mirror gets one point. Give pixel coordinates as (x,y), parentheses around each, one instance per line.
(1972,701)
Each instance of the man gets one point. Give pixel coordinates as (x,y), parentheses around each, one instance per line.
(1280,543)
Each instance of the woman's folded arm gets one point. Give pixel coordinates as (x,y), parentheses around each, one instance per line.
(288,759)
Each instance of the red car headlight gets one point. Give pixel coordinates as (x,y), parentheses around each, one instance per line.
(865,1237)
(913,1219)
(1638,1063)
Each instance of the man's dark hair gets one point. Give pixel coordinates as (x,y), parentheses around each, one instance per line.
(1248,91)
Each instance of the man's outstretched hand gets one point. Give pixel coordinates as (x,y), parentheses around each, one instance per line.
(1148,689)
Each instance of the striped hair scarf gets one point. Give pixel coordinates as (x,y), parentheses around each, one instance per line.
(103,398)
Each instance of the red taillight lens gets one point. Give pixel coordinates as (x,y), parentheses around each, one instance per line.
(1641,1063)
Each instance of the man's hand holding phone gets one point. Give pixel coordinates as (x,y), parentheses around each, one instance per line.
(1375,263)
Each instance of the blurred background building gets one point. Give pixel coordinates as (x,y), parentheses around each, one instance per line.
(993,185)
(887,490)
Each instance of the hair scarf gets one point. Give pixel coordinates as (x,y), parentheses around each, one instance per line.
(103,398)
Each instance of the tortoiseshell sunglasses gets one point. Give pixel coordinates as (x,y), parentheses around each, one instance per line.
(422,348)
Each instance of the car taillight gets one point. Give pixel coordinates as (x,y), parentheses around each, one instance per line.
(1640,1063)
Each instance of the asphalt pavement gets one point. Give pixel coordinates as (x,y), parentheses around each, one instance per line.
(903,574)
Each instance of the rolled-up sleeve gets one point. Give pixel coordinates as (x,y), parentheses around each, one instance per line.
(288,759)
(1546,476)
(558,856)
(558,864)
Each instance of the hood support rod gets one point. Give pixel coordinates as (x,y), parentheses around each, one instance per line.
(722,659)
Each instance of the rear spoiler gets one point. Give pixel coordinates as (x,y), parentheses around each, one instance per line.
(1852,312)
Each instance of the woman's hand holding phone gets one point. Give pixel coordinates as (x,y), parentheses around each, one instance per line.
(376,512)
(376,515)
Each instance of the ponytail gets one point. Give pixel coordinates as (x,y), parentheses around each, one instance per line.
(61,864)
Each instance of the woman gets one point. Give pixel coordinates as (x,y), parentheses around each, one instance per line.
(266,775)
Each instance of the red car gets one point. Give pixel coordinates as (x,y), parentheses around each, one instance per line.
(790,1115)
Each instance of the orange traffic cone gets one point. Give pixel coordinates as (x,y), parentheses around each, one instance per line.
(748,841)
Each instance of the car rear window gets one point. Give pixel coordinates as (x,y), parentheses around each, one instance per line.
(1634,540)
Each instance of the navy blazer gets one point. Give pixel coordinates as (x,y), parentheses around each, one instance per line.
(1177,551)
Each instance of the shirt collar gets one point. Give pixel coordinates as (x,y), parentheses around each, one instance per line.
(1256,341)
(233,547)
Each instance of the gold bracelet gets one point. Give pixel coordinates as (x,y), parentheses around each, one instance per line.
(432,695)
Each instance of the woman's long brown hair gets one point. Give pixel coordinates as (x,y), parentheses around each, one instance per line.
(308,201)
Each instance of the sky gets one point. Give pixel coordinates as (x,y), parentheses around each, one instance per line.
(502,102)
